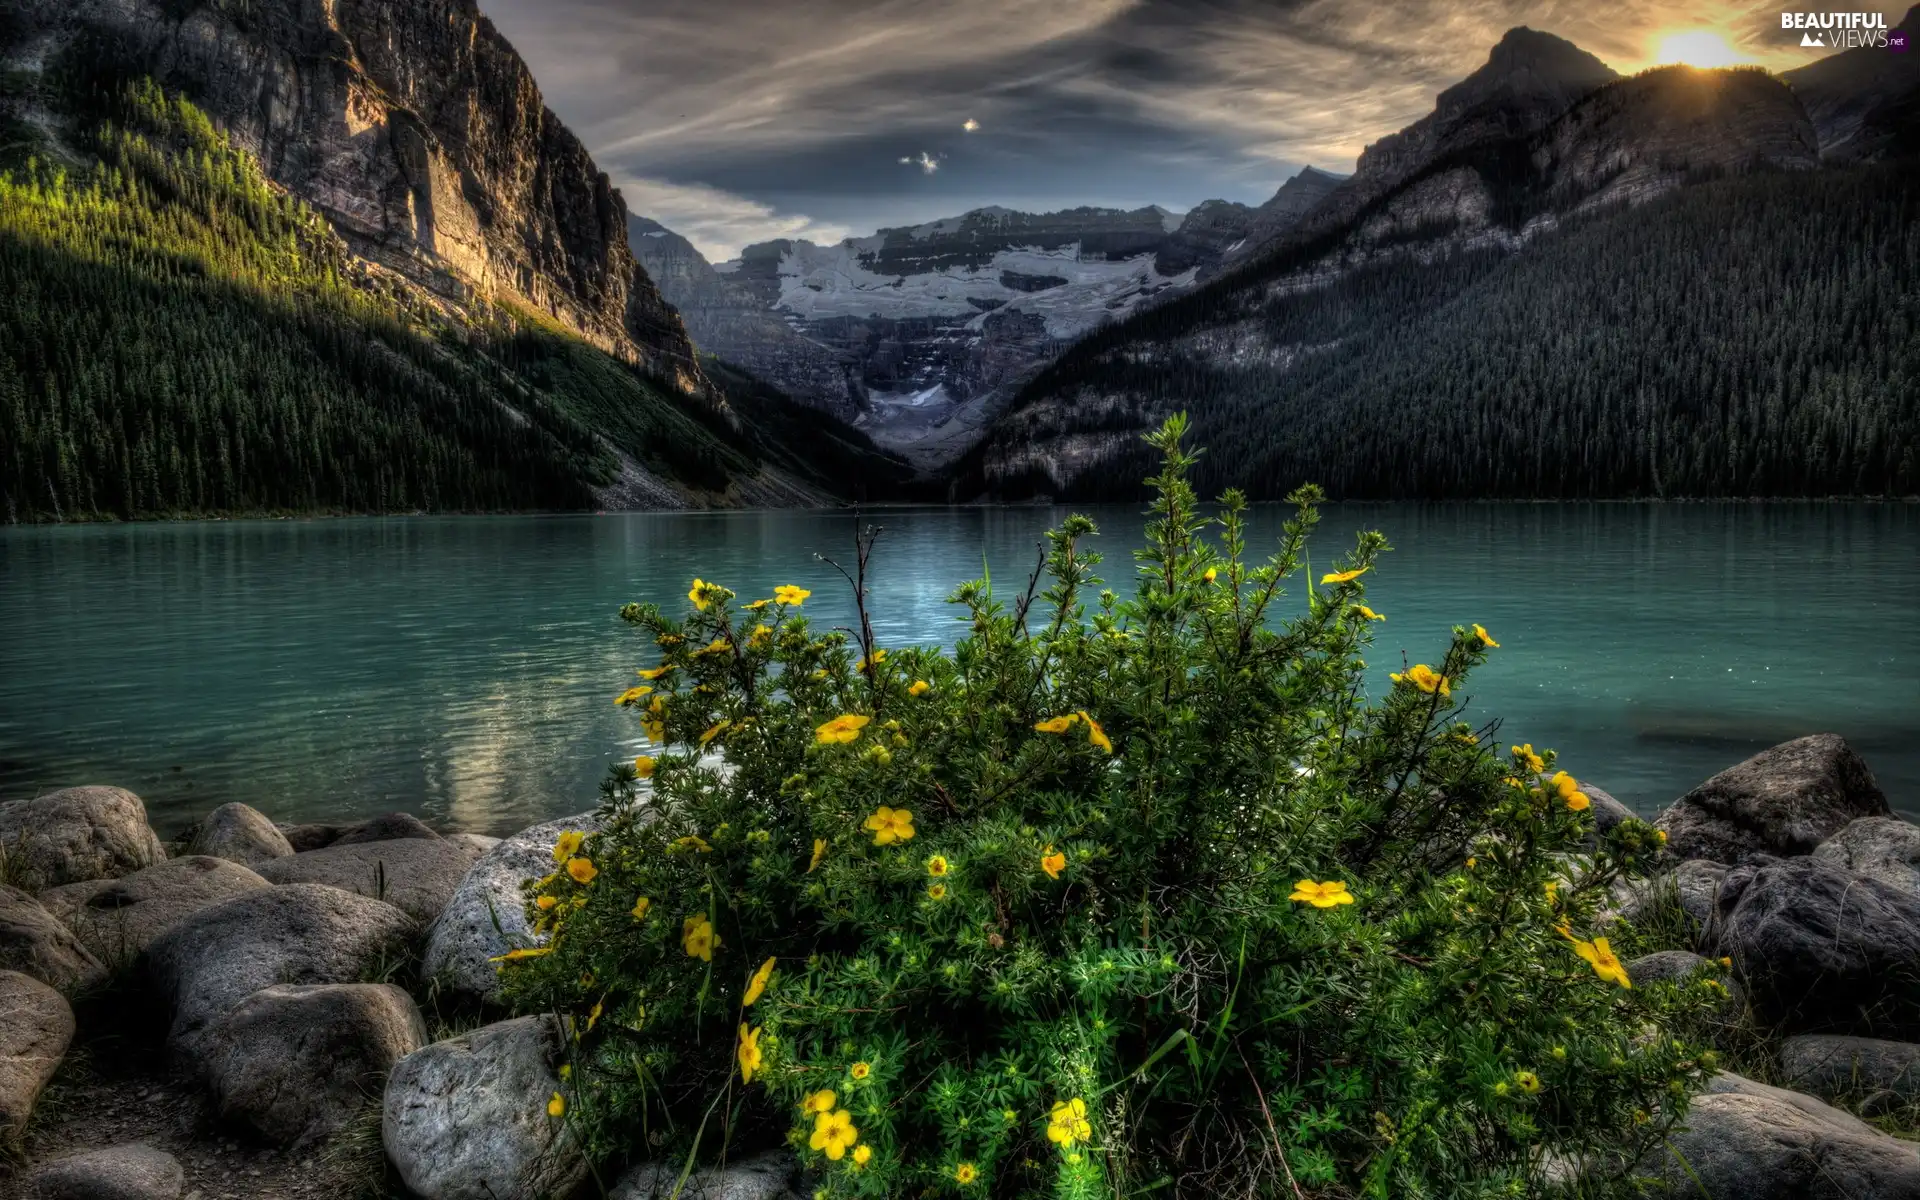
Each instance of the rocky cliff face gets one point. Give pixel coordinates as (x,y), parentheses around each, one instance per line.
(1865,102)
(419,132)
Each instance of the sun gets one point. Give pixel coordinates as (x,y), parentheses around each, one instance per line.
(1698,48)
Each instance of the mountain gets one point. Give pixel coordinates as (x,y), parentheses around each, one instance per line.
(918,334)
(1649,287)
(1864,102)
(268,255)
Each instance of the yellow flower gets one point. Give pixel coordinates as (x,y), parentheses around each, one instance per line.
(1067,1123)
(1605,965)
(656,731)
(1211,574)
(759,635)
(1368,613)
(1524,756)
(937,865)
(1526,1081)
(593,1016)
(819,852)
(581,870)
(557,1106)
(630,695)
(890,825)
(523,953)
(545,903)
(703,593)
(718,645)
(1568,789)
(1726,963)
(1553,892)
(653,673)
(937,891)
(714,731)
(697,938)
(860,1070)
(843,728)
(1095,734)
(965,1174)
(834,1133)
(790,595)
(1662,835)
(919,687)
(568,845)
(879,656)
(1425,678)
(1343,576)
(693,842)
(1056,724)
(749,1053)
(862,1155)
(640,907)
(758,984)
(757,605)
(1486,639)
(644,766)
(1052,862)
(818,1102)
(1321,895)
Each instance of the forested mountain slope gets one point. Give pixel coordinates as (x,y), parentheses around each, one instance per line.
(179,335)
(1663,291)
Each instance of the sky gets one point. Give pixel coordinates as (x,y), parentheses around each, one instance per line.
(739,121)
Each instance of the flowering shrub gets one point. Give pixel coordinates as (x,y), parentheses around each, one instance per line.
(1118,896)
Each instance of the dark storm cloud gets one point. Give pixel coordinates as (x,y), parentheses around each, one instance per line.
(739,120)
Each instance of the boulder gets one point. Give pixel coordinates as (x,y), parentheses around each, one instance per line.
(466,1119)
(1846,1068)
(135,1171)
(297,1063)
(36,1026)
(386,827)
(1886,848)
(301,933)
(1686,969)
(309,837)
(771,1176)
(1820,948)
(119,918)
(488,915)
(479,843)
(76,834)
(240,834)
(1783,801)
(1747,1141)
(416,875)
(34,942)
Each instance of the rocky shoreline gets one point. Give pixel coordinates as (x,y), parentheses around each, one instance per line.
(308,1010)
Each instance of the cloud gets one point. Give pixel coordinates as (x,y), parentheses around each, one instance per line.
(929,163)
(719,223)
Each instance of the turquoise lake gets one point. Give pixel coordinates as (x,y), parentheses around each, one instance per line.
(463,667)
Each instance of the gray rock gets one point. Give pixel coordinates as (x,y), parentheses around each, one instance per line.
(1783,801)
(1746,1141)
(466,1119)
(296,1064)
(1692,884)
(386,827)
(135,1171)
(119,918)
(479,843)
(487,915)
(771,1176)
(1844,1068)
(240,834)
(1886,848)
(1820,948)
(301,933)
(309,837)
(36,1026)
(416,875)
(76,834)
(1687,969)
(34,942)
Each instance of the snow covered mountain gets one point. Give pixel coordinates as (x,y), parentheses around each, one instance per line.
(918,334)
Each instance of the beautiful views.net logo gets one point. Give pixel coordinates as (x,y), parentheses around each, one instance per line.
(1839,30)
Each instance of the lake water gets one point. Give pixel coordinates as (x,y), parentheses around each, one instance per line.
(463,667)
